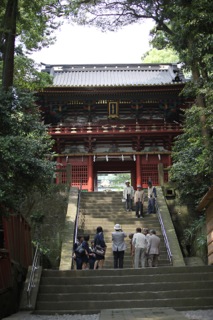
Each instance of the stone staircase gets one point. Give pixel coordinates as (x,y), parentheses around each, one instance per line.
(90,291)
(106,209)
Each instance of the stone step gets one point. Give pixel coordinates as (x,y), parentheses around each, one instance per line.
(120,280)
(113,288)
(94,306)
(145,295)
(106,209)
(182,288)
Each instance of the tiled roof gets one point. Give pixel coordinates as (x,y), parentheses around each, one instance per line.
(113,75)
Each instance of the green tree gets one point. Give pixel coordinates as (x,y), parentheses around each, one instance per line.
(192,161)
(32,23)
(27,75)
(160,56)
(25,147)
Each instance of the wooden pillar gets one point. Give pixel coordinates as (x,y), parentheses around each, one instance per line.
(138,170)
(69,174)
(160,174)
(90,174)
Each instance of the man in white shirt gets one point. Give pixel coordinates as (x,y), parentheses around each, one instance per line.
(139,201)
(128,194)
(139,243)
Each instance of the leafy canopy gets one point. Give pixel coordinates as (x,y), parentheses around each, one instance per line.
(160,56)
(25,147)
(192,162)
(35,22)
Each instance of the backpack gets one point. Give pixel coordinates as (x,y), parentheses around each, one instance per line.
(80,249)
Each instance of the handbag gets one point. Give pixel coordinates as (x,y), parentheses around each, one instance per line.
(123,200)
(99,250)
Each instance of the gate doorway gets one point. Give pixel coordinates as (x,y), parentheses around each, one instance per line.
(112,181)
(111,176)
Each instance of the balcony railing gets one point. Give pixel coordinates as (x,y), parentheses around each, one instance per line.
(112,128)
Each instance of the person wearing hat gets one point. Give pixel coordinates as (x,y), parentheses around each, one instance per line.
(139,198)
(118,246)
(128,194)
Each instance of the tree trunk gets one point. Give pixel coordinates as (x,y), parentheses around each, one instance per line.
(9,43)
(200,100)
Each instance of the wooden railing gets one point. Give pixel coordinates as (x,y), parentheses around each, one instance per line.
(17,239)
(5,270)
(112,128)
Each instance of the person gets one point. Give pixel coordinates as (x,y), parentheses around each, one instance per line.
(131,248)
(146,232)
(139,197)
(77,252)
(99,241)
(118,246)
(153,249)
(128,194)
(92,255)
(152,195)
(85,253)
(139,243)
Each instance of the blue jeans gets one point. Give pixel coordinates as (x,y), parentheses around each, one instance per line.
(151,205)
(139,209)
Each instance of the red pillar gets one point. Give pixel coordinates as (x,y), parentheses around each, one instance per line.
(90,175)
(138,170)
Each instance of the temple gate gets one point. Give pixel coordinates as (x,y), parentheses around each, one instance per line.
(114,118)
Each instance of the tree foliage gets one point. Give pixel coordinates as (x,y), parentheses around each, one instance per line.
(27,74)
(184,25)
(35,22)
(160,56)
(25,147)
(32,24)
(192,161)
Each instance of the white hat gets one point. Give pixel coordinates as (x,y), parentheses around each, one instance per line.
(138,186)
(117,226)
(126,181)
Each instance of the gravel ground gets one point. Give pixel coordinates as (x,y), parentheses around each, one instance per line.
(192,315)
(199,314)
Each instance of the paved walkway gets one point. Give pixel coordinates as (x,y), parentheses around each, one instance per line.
(142,314)
(120,314)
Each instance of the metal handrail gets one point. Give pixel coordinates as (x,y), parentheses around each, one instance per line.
(163,232)
(75,236)
(31,283)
